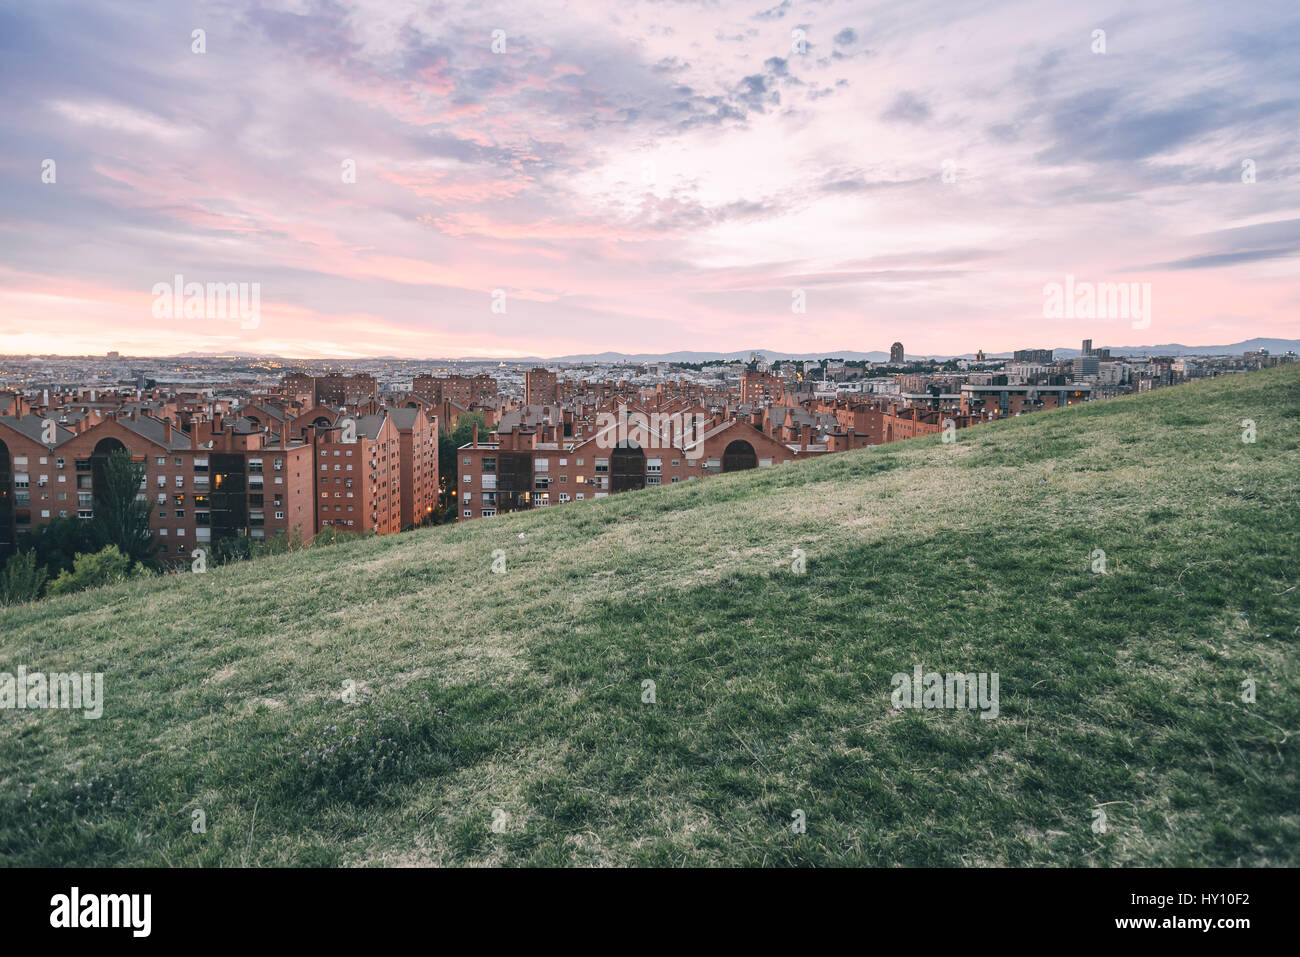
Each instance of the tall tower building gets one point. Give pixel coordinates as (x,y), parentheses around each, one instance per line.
(896,353)
(1087,347)
(540,387)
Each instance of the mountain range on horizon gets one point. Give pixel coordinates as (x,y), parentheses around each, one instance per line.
(1236,348)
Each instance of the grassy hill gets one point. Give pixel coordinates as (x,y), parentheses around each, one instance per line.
(522,692)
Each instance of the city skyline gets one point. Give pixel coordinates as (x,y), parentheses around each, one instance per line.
(924,175)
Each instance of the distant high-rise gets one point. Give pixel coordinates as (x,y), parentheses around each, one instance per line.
(540,387)
(1043,356)
(1087,347)
(896,353)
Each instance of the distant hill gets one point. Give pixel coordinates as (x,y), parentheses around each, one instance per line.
(1275,346)
(1236,348)
(651,680)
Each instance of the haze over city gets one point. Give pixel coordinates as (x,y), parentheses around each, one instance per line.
(666,176)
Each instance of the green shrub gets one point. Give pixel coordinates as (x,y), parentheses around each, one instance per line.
(22,579)
(103,567)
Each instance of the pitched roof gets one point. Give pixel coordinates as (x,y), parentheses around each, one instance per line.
(33,426)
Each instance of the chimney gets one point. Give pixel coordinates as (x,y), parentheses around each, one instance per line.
(167,430)
(805,436)
(475,435)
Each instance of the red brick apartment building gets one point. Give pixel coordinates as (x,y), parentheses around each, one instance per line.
(463,390)
(1000,400)
(759,388)
(358,475)
(418,460)
(196,492)
(533,466)
(540,387)
(334,389)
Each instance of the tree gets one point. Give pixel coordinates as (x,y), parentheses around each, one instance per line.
(103,567)
(22,579)
(61,540)
(120,515)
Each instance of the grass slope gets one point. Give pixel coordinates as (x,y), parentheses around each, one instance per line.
(522,692)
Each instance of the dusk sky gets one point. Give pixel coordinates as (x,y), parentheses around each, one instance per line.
(645,176)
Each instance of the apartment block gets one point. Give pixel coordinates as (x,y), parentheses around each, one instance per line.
(418,464)
(540,387)
(358,475)
(534,466)
(463,390)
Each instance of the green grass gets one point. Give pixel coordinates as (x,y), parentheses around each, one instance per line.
(523,692)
